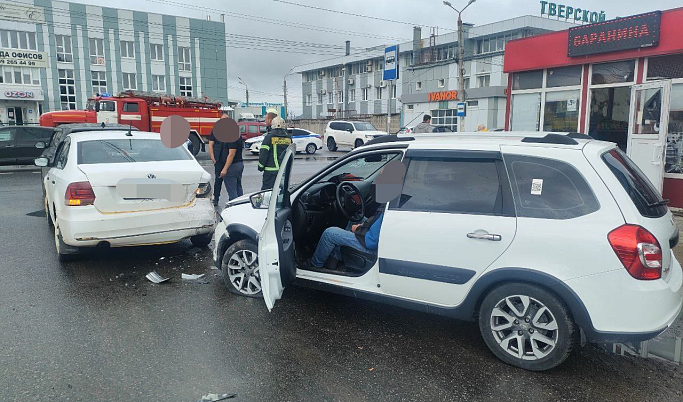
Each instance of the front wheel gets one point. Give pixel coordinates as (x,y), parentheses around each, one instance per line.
(240,269)
(331,144)
(358,143)
(311,148)
(526,326)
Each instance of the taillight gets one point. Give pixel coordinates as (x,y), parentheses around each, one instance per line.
(204,190)
(638,250)
(79,194)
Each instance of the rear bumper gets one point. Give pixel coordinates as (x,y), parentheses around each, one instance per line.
(86,226)
(623,309)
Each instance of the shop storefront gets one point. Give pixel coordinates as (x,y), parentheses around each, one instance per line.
(619,81)
(20,105)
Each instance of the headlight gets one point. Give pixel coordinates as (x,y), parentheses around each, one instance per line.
(204,190)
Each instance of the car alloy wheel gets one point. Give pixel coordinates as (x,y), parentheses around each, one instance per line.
(331,144)
(311,148)
(243,272)
(358,143)
(524,327)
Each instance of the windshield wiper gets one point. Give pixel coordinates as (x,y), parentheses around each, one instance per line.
(658,203)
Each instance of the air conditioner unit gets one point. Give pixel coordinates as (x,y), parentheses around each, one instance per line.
(382,84)
(351,81)
(323,91)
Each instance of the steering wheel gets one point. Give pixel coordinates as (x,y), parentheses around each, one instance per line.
(350,201)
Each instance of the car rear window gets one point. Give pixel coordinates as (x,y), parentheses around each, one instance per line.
(126,151)
(549,189)
(643,194)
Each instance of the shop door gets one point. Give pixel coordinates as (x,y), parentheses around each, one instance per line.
(648,127)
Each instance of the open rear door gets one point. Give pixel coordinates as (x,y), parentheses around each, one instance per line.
(276,240)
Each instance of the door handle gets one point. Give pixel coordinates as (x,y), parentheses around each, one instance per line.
(9,146)
(484,236)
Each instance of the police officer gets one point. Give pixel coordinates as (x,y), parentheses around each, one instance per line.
(272,152)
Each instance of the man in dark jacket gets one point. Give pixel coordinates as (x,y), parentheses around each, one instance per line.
(272,152)
(227,160)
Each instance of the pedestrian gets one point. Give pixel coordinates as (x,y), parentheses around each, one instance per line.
(272,151)
(425,126)
(228,164)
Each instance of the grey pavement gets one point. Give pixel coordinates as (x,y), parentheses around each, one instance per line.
(97,330)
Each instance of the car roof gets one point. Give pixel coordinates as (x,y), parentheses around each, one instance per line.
(113,135)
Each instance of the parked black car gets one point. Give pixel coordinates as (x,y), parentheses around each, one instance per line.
(22,144)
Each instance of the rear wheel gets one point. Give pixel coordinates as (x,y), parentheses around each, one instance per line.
(201,240)
(311,148)
(526,326)
(196,143)
(64,251)
(240,269)
(358,143)
(331,144)
(48,215)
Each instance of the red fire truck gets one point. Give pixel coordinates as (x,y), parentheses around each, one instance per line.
(145,111)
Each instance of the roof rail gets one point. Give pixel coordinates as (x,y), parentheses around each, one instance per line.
(552,138)
(388,138)
(580,136)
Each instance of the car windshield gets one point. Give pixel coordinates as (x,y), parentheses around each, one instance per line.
(360,168)
(364,127)
(126,151)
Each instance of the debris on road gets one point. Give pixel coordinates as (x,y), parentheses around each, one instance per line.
(155,277)
(162,258)
(191,277)
(216,397)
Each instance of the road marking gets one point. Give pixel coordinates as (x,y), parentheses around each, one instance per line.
(6,172)
(35,172)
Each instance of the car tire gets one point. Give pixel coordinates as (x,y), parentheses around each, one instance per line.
(311,148)
(201,240)
(62,247)
(242,258)
(517,314)
(358,143)
(331,144)
(48,215)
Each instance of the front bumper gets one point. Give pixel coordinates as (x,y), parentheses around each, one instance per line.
(86,226)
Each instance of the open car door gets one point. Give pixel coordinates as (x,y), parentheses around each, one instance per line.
(276,240)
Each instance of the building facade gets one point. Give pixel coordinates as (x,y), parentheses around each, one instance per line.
(55,55)
(354,85)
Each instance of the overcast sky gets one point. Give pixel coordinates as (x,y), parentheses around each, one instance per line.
(263,69)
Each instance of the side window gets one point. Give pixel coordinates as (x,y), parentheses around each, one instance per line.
(253,129)
(335,126)
(262,129)
(6,134)
(360,168)
(62,154)
(130,107)
(549,188)
(347,127)
(243,128)
(452,185)
(296,133)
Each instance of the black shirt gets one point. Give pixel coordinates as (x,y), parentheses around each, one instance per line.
(221,149)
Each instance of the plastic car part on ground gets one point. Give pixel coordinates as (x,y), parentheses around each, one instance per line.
(191,277)
(216,397)
(155,277)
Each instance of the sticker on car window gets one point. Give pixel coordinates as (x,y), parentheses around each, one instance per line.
(536,186)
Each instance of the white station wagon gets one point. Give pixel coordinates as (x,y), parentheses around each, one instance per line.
(539,237)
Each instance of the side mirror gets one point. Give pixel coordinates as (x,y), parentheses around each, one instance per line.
(260,200)
(350,129)
(40,145)
(41,162)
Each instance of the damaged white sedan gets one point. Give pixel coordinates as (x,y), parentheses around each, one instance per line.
(123,188)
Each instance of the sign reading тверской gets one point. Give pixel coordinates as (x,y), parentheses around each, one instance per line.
(621,34)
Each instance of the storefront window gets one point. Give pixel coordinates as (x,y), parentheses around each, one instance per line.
(561,111)
(527,80)
(526,112)
(445,117)
(609,113)
(674,141)
(613,73)
(563,77)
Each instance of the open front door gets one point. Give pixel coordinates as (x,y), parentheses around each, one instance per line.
(648,126)
(276,240)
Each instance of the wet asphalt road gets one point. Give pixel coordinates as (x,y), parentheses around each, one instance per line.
(97,330)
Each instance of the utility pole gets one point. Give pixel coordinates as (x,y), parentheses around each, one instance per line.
(461,67)
(246,89)
(284,88)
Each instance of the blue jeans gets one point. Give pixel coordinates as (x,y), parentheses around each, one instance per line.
(330,242)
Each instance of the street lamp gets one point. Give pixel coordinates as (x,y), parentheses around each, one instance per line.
(246,88)
(284,88)
(461,69)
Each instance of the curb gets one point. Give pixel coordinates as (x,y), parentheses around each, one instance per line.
(19,168)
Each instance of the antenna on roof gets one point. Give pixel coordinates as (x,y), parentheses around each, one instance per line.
(130,128)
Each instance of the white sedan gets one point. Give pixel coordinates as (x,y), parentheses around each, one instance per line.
(121,188)
(306,141)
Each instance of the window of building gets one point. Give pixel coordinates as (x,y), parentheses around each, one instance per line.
(340,96)
(472,103)
(613,73)
(418,86)
(99,82)
(185,86)
(309,100)
(127,49)
(156,51)
(393,91)
(411,107)
(96,51)
(563,76)
(365,94)
(526,112)
(435,185)
(20,75)
(466,83)
(67,89)
(129,81)
(561,111)
(441,83)
(184,60)
(483,81)
(320,98)
(158,83)
(352,95)
(64,52)
(330,97)
(527,80)
(18,40)
(445,117)
(378,94)
(674,141)
(493,44)
(549,189)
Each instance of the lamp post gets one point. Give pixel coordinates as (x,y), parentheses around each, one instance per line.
(461,69)
(284,88)
(246,89)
